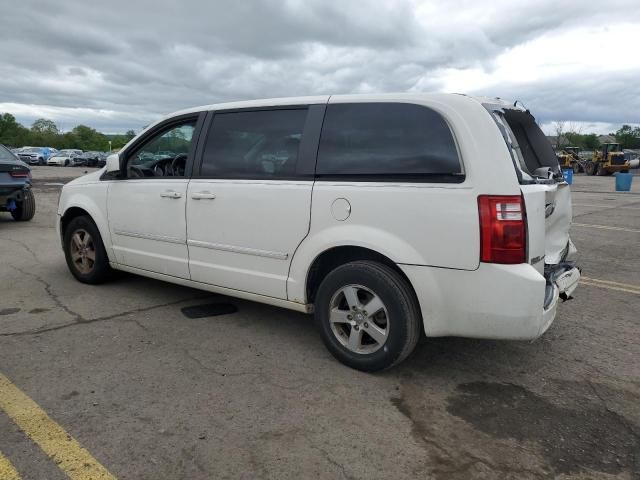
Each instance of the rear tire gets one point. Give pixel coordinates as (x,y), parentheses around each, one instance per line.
(374,340)
(600,170)
(26,209)
(84,251)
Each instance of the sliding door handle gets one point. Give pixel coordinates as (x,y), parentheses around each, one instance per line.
(203,196)
(171,194)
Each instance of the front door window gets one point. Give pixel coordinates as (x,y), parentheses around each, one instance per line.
(164,155)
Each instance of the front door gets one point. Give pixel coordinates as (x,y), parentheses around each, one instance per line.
(147,208)
(248,207)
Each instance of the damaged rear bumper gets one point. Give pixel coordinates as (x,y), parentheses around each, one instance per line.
(560,284)
(510,302)
(10,195)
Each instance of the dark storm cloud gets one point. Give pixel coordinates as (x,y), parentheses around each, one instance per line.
(121,64)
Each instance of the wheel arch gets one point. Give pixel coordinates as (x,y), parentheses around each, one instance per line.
(332,257)
(88,208)
(69,214)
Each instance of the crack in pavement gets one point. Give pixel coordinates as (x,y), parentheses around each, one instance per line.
(80,319)
(23,245)
(102,319)
(264,380)
(53,296)
(627,424)
(334,463)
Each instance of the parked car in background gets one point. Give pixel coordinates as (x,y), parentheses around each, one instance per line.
(387,216)
(86,159)
(36,155)
(102,159)
(16,196)
(78,161)
(61,159)
(71,151)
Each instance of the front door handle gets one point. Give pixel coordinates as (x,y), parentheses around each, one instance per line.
(171,194)
(203,196)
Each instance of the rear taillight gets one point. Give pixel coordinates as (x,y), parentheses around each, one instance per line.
(503,229)
(19,174)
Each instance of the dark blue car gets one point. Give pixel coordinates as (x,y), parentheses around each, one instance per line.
(16,196)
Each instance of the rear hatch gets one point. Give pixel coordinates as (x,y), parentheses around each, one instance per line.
(547,199)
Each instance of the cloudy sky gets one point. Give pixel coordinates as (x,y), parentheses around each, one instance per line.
(118,65)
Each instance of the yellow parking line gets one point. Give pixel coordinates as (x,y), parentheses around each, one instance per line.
(606,227)
(604,206)
(619,284)
(609,287)
(61,447)
(7,470)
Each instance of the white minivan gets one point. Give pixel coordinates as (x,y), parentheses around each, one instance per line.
(383,215)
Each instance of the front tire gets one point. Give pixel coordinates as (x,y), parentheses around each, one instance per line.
(590,168)
(368,315)
(26,209)
(84,251)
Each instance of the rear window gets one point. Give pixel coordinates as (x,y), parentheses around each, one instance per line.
(6,155)
(529,146)
(387,140)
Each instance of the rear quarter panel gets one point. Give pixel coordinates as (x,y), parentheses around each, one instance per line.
(429,224)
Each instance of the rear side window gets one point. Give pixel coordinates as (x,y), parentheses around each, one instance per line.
(387,140)
(256,144)
(6,155)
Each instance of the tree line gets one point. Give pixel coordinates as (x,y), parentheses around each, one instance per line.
(45,133)
(627,136)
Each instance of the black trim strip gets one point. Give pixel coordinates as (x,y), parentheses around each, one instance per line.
(307,155)
(395,178)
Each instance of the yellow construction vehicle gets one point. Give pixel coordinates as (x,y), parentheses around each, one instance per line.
(607,159)
(569,158)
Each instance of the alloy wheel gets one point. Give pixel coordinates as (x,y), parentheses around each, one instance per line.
(83,251)
(359,319)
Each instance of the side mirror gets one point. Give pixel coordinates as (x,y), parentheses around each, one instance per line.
(113,163)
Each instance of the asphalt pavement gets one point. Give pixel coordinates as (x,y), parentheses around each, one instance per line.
(114,381)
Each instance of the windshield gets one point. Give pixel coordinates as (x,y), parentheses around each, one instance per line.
(33,150)
(6,155)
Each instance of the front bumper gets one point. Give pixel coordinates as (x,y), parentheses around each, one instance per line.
(495,301)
